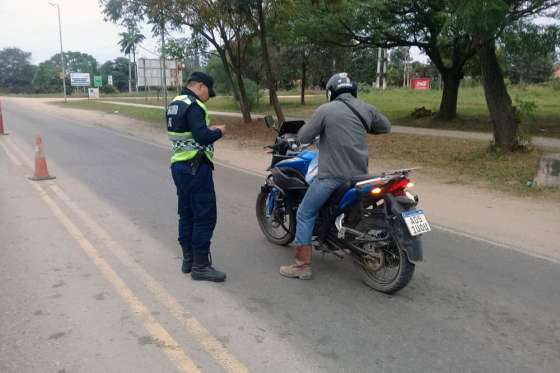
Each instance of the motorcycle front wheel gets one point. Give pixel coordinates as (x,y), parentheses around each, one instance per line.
(279,228)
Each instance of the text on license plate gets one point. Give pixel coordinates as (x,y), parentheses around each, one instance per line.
(416,222)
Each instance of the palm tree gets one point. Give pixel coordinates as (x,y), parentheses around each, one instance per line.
(129,40)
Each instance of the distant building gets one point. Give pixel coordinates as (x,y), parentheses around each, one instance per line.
(557,72)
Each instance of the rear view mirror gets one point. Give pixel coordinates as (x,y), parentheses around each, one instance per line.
(269,121)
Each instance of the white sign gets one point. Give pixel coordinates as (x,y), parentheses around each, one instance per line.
(149,73)
(79,79)
(110,79)
(93,93)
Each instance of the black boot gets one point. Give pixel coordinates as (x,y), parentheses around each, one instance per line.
(202,269)
(186,267)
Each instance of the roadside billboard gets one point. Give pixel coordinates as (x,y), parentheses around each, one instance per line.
(97,81)
(420,84)
(80,80)
(93,93)
(149,73)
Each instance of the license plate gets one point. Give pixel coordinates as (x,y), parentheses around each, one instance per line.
(416,222)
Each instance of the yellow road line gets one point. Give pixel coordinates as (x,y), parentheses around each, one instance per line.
(214,347)
(170,346)
(10,155)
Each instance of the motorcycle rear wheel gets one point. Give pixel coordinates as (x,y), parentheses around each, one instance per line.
(373,268)
(279,233)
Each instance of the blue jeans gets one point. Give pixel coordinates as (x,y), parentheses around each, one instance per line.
(196,206)
(318,193)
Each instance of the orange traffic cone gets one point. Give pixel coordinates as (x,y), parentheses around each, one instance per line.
(41,171)
(2,122)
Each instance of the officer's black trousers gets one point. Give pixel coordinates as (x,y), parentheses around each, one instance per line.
(196,205)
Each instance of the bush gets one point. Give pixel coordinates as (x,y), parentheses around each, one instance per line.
(556,84)
(364,88)
(525,115)
(422,112)
(108,89)
(253,92)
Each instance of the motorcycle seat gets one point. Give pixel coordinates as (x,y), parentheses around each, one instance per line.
(347,185)
(358,178)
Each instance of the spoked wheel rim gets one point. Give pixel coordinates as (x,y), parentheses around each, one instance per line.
(277,225)
(381,265)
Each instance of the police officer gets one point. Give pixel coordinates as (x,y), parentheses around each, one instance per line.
(192,138)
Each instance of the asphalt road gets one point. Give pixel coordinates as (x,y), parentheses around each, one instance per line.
(470,307)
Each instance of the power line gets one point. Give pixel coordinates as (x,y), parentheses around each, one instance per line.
(149,51)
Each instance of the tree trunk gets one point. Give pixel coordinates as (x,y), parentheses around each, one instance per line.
(497,98)
(243,99)
(135,68)
(129,75)
(268,67)
(241,92)
(448,104)
(303,76)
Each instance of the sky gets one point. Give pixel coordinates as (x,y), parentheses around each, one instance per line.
(32,25)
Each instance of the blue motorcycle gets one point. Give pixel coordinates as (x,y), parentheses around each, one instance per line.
(372,218)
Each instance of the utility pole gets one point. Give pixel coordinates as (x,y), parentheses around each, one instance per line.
(385,59)
(164,72)
(378,79)
(61,51)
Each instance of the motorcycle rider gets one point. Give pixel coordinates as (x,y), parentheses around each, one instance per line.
(342,124)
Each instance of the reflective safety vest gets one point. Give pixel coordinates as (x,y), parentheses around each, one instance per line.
(184,146)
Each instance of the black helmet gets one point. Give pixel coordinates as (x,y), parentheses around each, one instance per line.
(340,83)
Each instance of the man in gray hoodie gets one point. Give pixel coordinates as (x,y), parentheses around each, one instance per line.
(342,124)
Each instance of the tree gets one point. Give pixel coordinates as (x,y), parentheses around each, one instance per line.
(528,51)
(118,69)
(47,75)
(16,72)
(430,25)
(192,51)
(129,40)
(485,21)
(258,15)
(208,18)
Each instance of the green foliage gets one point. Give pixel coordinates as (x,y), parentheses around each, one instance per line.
(525,115)
(364,88)
(130,39)
(528,52)
(192,51)
(253,93)
(108,89)
(216,69)
(47,75)
(118,69)
(47,78)
(556,84)
(16,72)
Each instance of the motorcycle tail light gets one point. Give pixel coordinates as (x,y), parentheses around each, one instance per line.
(398,186)
(376,191)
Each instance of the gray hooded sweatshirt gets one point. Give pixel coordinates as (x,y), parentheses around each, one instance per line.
(343,145)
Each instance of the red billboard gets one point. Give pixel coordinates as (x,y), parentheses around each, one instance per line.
(420,84)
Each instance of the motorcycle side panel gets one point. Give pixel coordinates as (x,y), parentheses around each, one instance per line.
(299,163)
(349,198)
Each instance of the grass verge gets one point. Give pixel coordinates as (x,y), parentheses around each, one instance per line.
(398,104)
(461,161)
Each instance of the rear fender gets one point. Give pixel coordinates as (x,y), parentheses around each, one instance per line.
(412,245)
